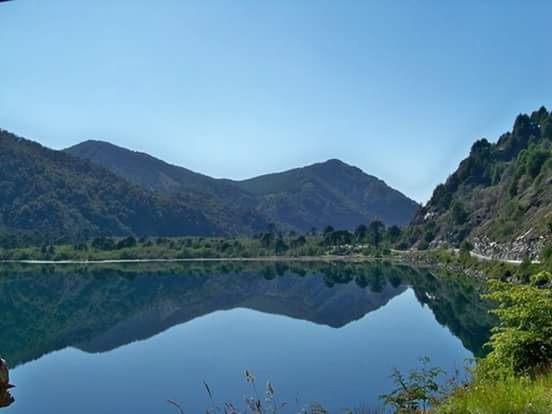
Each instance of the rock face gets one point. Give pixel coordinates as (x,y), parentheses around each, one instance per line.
(6,398)
(523,247)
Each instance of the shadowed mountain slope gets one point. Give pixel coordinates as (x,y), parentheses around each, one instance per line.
(331,192)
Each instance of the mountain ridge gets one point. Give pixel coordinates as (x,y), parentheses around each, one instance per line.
(330,192)
(499,198)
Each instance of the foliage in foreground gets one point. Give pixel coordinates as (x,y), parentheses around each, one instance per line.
(264,403)
(522,342)
(512,395)
(515,377)
(419,390)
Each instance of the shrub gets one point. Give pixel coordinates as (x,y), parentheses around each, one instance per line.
(522,342)
(423,245)
(416,391)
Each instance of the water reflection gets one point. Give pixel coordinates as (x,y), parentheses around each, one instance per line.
(100,308)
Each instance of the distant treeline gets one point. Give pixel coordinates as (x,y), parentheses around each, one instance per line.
(374,239)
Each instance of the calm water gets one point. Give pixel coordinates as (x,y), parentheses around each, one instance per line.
(125,339)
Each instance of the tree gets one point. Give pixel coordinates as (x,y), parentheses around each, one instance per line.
(298,242)
(280,246)
(103,243)
(267,239)
(546,127)
(459,215)
(441,197)
(127,242)
(338,238)
(535,161)
(361,232)
(393,233)
(375,232)
(327,230)
(465,250)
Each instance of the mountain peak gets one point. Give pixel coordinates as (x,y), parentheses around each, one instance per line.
(328,192)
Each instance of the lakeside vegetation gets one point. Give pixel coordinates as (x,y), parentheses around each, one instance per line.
(368,240)
(516,376)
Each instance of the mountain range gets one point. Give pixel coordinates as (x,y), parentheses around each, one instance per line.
(500,195)
(331,192)
(96,188)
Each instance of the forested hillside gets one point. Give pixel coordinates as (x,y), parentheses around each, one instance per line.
(501,194)
(51,196)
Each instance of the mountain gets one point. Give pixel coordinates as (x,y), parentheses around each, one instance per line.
(230,208)
(331,192)
(50,195)
(499,198)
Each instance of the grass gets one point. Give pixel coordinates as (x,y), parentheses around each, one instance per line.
(509,396)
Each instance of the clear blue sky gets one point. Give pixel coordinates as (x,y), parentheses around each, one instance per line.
(236,88)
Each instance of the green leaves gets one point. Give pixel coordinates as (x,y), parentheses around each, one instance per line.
(522,342)
(417,390)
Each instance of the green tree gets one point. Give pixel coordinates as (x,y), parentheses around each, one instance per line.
(127,242)
(361,232)
(267,239)
(535,161)
(280,247)
(465,251)
(393,233)
(375,232)
(546,127)
(327,230)
(459,215)
(522,342)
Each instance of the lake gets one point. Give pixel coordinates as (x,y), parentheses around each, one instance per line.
(127,338)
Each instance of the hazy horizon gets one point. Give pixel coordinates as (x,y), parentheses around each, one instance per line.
(239,89)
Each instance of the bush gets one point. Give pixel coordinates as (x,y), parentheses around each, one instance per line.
(423,245)
(522,342)
(416,391)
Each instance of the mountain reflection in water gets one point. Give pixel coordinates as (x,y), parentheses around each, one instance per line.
(100,308)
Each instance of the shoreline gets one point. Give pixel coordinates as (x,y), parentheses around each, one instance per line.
(211,259)
(397,256)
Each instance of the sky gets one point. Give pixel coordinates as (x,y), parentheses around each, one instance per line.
(239,88)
